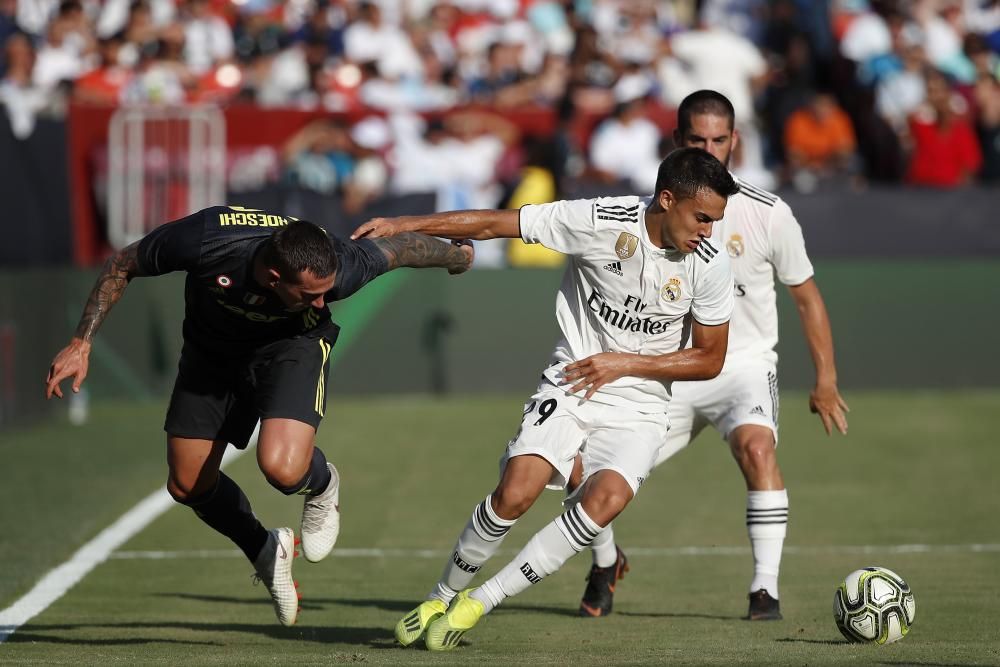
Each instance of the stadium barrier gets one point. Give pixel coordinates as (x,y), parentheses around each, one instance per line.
(897,324)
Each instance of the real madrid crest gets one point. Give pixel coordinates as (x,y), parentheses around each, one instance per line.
(626,245)
(734,246)
(672,290)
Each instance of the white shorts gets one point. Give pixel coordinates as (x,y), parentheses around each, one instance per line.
(557,426)
(745,394)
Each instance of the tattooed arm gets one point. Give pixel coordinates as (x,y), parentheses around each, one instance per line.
(421,251)
(74,359)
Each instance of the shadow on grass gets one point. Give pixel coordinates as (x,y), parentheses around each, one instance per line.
(375,637)
(828,642)
(657,614)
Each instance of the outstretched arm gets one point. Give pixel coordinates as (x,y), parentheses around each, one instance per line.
(702,361)
(421,251)
(825,399)
(478,225)
(73,360)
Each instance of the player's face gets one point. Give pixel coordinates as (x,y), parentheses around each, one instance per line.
(307,291)
(711,133)
(688,221)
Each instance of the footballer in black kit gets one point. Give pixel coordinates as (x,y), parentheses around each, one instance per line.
(258,338)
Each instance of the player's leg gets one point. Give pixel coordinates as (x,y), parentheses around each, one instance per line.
(621,448)
(753,447)
(288,389)
(751,422)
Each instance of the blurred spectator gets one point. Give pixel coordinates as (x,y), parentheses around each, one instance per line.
(902,92)
(18,94)
(536,185)
(946,151)
(324,157)
(819,143)
(624,147)
(67,50)
(371,39)
(208,39)
(987,95)
(105,83)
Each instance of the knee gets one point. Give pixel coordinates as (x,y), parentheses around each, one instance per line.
(511,502)
(604,504)
(284,463)
(756,453)
(187,491)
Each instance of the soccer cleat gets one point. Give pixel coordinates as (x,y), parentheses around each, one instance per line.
(274,568)
(445,633)
(600,594)
(321,520)
(763,607)
(412,626)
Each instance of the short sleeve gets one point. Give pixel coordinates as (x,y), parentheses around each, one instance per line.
(712,302)
(173,246)
(358,263)
(563,226)
(788,247)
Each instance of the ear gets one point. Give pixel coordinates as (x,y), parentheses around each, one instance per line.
(678,138)
(666,199)
(736,139)
(273,278)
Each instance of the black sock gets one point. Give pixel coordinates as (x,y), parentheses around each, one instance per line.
(227,510)
(314,482)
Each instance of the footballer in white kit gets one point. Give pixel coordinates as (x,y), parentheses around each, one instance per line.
(645,301)
(763,240)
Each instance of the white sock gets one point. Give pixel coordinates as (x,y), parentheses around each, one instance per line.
(545,553)
(767,523)
(480,539)
(604,551)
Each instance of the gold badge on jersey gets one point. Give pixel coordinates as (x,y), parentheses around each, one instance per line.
(626,245)
(734,246)
(672,290)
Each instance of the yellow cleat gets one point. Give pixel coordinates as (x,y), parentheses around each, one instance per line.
(411,627)
(445,633)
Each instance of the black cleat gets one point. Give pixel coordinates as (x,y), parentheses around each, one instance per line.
(763,607)
(600,593)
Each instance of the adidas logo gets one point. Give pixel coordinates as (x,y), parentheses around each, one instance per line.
(757,410)
(614,267)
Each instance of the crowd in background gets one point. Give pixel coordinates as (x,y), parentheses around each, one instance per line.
(827,93)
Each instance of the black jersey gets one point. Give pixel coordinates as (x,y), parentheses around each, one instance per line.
(226,311)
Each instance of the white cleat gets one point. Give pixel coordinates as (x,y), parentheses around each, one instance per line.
(274,568)
(321,520)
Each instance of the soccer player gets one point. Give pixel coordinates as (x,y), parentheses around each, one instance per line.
(643,278)
(257,344)
(762,238)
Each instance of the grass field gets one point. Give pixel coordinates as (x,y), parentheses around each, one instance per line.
(916,469)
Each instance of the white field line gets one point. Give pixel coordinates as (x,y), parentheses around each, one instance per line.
(57,582)
(862,549)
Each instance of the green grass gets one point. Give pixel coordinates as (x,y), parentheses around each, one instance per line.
(917,468)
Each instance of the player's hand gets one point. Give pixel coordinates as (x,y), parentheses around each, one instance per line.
(378,227)
(71,362)
(594,372)
(465,245)
(826,401)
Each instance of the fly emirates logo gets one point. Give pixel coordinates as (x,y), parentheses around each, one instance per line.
(629,318)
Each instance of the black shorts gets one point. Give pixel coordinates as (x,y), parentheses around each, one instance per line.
(222,399)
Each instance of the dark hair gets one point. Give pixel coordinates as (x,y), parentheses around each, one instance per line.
(704,102)
(298,247)
(687,170)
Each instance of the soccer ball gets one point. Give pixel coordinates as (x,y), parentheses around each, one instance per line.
(874,606)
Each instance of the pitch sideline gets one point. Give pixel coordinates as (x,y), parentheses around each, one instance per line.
(58,581)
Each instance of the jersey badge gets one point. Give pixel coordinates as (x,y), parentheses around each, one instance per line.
(734,246)
(626,245)
(254,299)
(672,290)
(223,281)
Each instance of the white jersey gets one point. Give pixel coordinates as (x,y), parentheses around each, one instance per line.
(621,293)
(762,238)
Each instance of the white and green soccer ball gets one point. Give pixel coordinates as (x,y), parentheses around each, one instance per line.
(874,606)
